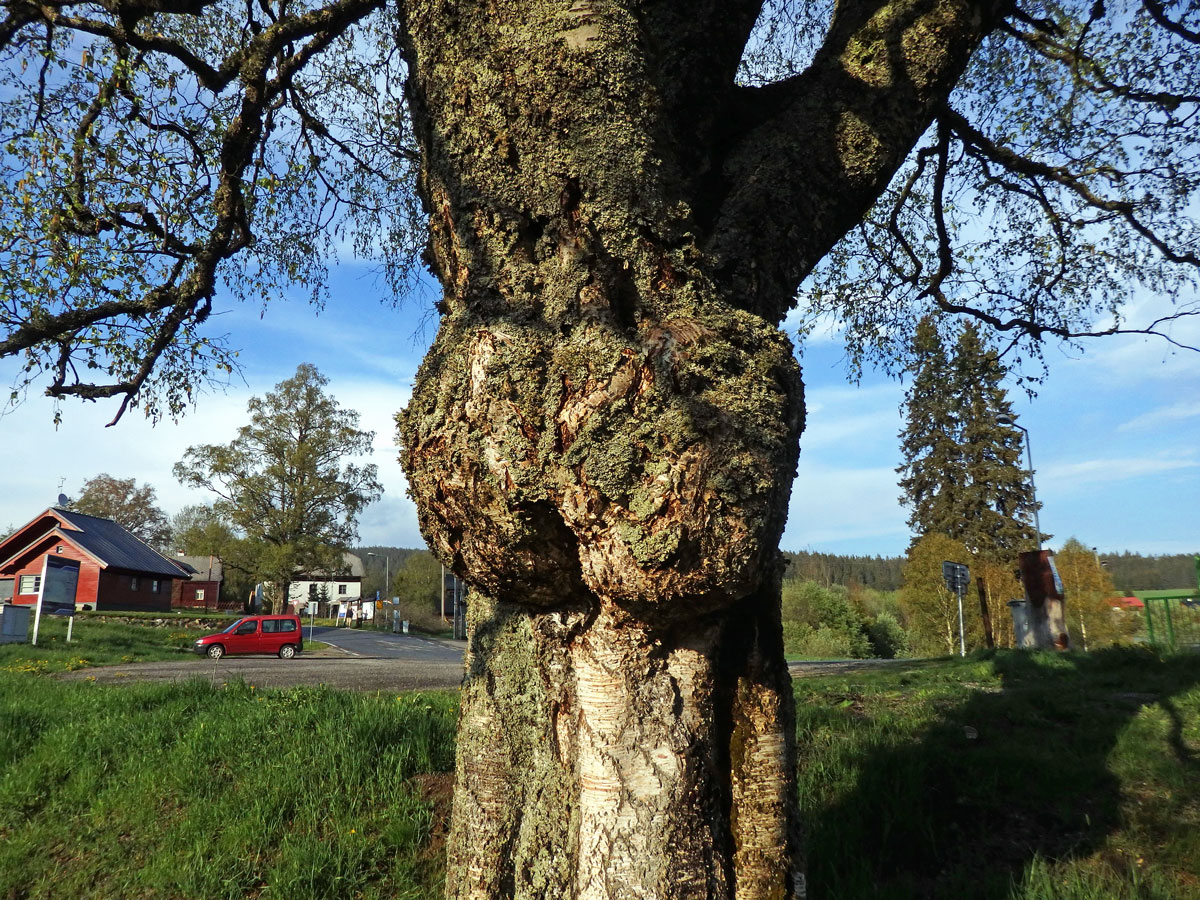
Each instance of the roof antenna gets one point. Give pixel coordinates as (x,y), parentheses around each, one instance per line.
(63,499)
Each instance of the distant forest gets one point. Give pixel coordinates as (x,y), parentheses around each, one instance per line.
(386,561)
(1129,571)
(883,573)
(1134,572)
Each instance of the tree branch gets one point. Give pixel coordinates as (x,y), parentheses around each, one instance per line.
(1159,15)
(264,73)
(1014,162)
(820,148)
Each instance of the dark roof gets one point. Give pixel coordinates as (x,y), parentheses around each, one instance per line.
(352,567)
(105,539)
(201,567)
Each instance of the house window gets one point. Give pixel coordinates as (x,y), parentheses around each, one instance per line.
(341,589)
(199,593)
(133,582)
(30,584)
(154,586)
(58,549)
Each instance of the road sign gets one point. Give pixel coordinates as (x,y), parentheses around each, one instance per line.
(60,577)
(957,576)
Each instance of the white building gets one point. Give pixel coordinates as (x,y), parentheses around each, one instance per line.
(340,588)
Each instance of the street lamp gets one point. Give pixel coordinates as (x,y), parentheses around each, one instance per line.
(1010,421)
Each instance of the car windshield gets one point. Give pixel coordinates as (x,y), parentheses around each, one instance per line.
(229,630)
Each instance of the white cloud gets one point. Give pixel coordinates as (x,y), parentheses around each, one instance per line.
(1132,358)
(1066,476)
(1163,416)
(826,329)
(853,418)
(37,457)
(34,456)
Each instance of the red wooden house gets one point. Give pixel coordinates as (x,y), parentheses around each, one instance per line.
(117,570)
(202,588)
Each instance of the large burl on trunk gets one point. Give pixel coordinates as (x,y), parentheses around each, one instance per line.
(602,438)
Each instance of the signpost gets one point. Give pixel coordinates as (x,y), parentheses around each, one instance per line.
(60,577)
(957,578)
(312,617)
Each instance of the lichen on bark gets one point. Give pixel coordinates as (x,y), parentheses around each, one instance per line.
(602,438)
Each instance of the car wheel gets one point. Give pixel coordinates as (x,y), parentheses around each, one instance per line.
(287,651)
(215,651)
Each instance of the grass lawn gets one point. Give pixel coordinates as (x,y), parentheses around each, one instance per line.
(95,642)
(1014,777)
(190,791)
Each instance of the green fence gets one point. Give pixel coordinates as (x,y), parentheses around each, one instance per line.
(1172,618)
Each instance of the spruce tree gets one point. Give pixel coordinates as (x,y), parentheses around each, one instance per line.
(962,474)
(932,473)
(995,497)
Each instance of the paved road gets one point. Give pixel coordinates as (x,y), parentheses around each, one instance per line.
(356,660)
(361,659)
(368,644)
(810,668)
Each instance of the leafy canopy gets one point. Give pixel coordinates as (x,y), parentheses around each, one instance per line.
(132,507)
(1055,188)
(154,154)
(158,154)
(285,481)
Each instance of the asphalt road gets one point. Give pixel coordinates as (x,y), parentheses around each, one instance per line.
(358,659)
(362,643)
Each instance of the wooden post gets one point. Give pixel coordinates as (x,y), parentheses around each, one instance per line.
(988,638)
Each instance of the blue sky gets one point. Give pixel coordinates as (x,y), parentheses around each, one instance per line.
(1115,431)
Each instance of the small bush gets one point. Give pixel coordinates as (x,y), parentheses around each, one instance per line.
(888,638)
(821,623)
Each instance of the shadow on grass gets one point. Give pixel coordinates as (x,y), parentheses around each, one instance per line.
(969,802)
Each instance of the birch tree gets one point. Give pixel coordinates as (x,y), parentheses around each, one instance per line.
(621,200)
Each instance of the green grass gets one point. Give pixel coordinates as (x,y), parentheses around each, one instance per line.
(95,643)
(1013,777)
(210,615)
(1006,777)
(190,791)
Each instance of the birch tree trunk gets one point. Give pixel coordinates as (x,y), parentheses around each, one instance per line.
(602,437)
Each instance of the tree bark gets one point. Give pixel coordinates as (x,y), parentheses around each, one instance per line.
(602,438)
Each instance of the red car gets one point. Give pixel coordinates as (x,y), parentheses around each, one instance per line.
(255,634)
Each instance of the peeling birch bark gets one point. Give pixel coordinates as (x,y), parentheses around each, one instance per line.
(602,438)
